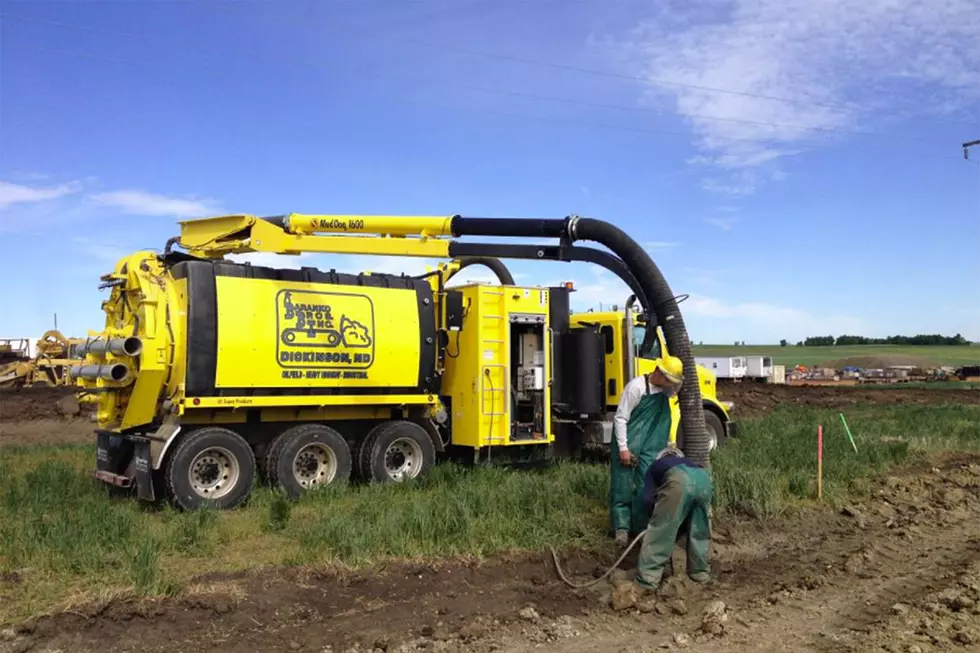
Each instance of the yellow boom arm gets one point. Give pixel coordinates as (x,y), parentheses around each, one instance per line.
(370,234)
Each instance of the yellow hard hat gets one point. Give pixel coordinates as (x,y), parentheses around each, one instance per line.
(672,368)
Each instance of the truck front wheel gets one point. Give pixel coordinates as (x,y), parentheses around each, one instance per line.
(716,430)
(308,456)
(211,467)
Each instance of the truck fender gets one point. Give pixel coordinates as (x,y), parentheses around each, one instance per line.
(717,408)
(161,440)
(433,430)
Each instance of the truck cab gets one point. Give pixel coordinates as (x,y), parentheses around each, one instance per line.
(633,347)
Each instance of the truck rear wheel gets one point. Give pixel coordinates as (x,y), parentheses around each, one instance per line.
(307,457)
(211,467)
(395,451)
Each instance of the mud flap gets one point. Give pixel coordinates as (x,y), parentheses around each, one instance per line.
(143,471)
(103,454)
(731,429)
(112,453)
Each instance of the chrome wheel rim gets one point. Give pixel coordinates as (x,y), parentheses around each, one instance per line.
(403,459)
(214,473)
(712,439)
(315,464)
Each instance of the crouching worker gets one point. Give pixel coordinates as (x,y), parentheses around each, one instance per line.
(677,494)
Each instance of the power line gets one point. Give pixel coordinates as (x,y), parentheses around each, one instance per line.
(546,64)
(637,78)
(536,96)
(620,107)
(545,119)
(966,148)
(769,142)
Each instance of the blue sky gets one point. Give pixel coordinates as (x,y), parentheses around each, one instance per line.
(795,177)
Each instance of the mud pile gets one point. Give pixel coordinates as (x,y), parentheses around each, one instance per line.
(756,399)
(27,404)
(44,416)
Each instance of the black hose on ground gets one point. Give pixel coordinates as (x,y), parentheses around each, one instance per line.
(655,287)
(615,565)
(494,265)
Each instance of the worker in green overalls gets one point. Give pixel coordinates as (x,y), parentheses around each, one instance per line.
(642,429)
(677,496)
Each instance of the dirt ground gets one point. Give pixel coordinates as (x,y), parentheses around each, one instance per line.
(42,416)
(900,573)
(756,399)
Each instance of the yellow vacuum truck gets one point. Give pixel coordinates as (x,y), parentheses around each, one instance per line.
(210,374)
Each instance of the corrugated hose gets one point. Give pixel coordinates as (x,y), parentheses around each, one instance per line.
(579,586)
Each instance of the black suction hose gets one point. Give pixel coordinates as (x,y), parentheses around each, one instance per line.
(495,265)
(654,288)
(567,254)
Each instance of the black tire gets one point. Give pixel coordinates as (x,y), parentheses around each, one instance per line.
(715,427)
(229,453)
(265,464)
(307,445)
(413,451)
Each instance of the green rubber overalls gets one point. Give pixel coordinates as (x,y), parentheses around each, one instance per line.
(647,432)
(682,504)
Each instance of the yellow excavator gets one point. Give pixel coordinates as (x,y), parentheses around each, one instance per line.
(211,374)
(47,367)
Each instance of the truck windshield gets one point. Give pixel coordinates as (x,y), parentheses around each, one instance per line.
(645,347)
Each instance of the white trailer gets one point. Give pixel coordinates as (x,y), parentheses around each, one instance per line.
(778,374)
(731,368)
(758,368)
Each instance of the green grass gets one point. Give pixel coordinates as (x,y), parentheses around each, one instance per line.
(771,468)
(792,355)
(68,541)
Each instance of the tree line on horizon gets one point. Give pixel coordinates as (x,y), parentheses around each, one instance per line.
(922,339)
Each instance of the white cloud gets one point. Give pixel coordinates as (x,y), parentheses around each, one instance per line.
(98,251)
(137,202)
(767,322)
(703,276)
(713,320)
(829,56)
(11,194)
(658,245)
(725,224)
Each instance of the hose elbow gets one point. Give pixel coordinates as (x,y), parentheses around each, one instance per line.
(493,264)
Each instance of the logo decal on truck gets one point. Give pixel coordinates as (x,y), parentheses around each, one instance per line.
(328,331)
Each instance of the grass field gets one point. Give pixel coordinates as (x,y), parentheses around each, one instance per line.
(792,355)
(66,541)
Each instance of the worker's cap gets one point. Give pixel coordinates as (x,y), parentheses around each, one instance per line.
(672,368)
(670,451)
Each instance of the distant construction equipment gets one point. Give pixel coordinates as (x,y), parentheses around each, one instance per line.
(48,366)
